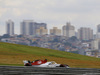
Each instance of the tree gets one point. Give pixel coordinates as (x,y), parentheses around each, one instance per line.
(67,44)
(56,40)
(20,36)
(73,38)
(6,36)
(34,43)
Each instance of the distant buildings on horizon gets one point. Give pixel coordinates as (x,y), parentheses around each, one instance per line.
(55,31)
(85,33)
(29,27)
(68,30)
(10,27)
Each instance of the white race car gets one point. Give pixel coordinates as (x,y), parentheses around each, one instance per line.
(43,63)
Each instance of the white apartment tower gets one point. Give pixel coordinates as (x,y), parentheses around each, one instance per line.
(98,32)
(85,33)
(98,28)
(29,27)
(68,30)
(10,27)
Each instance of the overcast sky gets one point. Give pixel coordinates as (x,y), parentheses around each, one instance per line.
(81,13)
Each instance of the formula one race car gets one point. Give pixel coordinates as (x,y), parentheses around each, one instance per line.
(43,63)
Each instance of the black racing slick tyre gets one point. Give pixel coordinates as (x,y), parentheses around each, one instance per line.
(28,65)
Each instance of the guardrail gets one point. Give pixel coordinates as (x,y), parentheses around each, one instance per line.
(29,70)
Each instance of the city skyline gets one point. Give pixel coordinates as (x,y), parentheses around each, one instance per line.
(29,26)
(55,13)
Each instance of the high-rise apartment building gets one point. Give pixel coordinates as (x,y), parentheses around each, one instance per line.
(98,28)
(95,44)
(10,27)
(28,27)
(55,31)
(68,30)
(98,32)
(41,31)
(85,33)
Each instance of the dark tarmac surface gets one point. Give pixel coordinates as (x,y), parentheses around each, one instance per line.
(23,70)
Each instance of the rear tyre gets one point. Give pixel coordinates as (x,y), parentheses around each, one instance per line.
(27,65)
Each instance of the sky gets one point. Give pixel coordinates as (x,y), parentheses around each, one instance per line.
(55,13)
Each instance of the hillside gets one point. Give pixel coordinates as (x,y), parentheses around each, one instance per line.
(13,54)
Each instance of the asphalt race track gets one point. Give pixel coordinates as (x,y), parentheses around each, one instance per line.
(24,70)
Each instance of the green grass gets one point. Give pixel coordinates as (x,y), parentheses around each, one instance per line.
(9,52)
(21,49)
